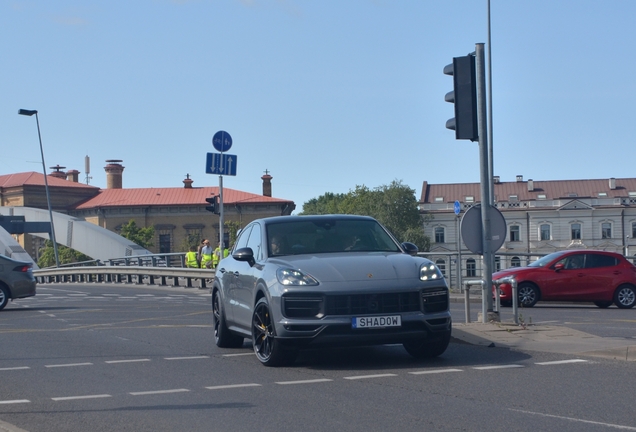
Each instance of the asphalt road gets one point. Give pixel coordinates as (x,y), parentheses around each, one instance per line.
(585,317)
(126,358)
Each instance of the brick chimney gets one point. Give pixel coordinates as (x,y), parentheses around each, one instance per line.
(58,173)
(114,171)
(187,183)
(72,175)
(267,184)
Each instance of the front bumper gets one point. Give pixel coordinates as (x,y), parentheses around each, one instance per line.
(326,319)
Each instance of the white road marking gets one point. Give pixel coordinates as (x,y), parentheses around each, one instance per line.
(144,393)
(304,381)
(65,398)
(237,355)
(435,371)
(126,361)
(16,401)
(231,386)
(15,368)
(498,367)
(186,358)
(68,365)
(369,376)
(615,426)
(559,362)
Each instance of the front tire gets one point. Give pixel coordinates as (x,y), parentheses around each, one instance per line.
(223,337)
(267,348)
(625,296)
(427,349)
(528,295)
(4,296)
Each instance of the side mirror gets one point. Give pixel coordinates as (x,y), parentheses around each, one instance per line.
(244,254)
(559,266)
(409,248)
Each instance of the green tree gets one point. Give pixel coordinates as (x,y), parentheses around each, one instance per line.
(191,240)
(328,203)
(65,254)
(232,228)
(141,236)
(394,205)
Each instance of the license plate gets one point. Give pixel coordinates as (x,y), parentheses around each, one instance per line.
(376,322)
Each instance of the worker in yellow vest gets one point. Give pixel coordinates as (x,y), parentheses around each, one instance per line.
(206,255)
(217,257)
(191,258)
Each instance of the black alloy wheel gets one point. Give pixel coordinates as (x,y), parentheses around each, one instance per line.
(223,337)
(528,295)
(267,348)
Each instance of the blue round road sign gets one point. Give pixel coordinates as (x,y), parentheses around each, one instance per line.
(222,141)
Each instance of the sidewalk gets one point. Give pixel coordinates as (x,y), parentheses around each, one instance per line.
(554,339)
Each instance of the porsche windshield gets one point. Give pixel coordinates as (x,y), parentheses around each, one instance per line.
(328,235)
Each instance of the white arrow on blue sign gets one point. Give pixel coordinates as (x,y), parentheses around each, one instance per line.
(221,164)
(457,207)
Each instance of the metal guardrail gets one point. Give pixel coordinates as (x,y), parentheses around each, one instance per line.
(166,276)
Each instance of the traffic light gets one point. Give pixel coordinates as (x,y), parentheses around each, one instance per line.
(464,97)
(214,204)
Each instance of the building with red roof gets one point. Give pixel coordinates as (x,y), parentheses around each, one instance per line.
(178,214)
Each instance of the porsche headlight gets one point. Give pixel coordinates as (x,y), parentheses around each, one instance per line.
(287,276)
(430,272)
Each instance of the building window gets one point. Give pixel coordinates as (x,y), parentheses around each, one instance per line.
(164,243)
(439,234)
(513,198)
(544,232)
(514,233)
(575,230)
(602,194)
(542,196)
(633,229)
(441,265)
(470,199)
(497,263)
(471,269)
(439,199)
(606,230)
(515,262)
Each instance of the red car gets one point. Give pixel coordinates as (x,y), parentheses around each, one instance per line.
(599,277)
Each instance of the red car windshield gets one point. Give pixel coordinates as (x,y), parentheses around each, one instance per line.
(541,262)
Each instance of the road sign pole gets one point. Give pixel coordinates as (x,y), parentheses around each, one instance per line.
(221,237)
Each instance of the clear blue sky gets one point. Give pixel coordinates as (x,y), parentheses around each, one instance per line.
(325,94)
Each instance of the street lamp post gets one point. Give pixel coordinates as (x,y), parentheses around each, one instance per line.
(46,182)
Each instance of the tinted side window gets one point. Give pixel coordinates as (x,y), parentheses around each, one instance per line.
(254,242)
(241,241)
(594,260)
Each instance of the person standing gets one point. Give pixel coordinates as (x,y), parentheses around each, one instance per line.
(192,260)
(217,256)
(206,254)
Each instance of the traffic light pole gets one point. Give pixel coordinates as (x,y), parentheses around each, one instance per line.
(486,199)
